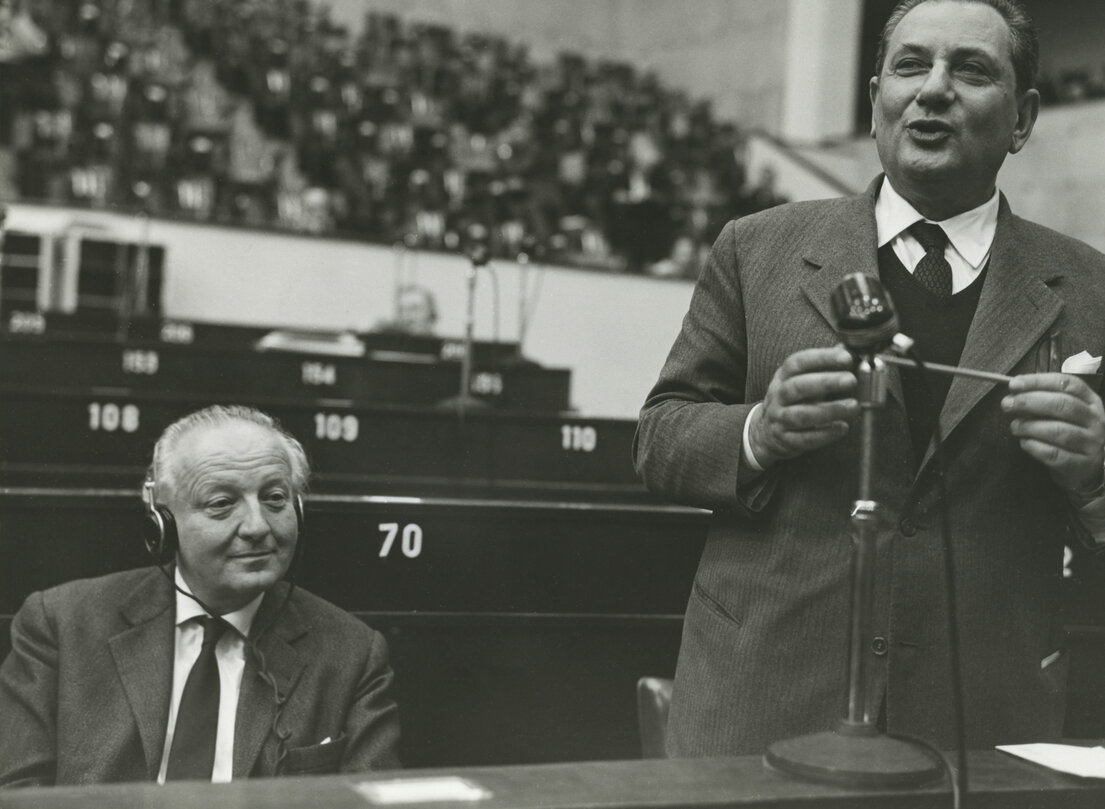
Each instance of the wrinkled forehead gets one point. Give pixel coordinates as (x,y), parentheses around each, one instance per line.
(954,25)
(238,454)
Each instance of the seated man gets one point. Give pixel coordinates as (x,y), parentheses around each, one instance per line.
(206,666)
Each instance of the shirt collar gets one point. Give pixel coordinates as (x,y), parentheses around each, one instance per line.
(187,608)
(971,233)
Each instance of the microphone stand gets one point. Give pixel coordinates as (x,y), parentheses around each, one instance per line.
(136,283)
(524,260)
(857,753)
(464,400)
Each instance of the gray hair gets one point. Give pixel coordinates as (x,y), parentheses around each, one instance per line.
(161,471)
(1024,40)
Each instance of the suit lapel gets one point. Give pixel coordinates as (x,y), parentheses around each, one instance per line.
(143,656)
(1015,309)
(275,629)
(847,243)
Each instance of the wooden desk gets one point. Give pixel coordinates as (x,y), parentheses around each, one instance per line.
(75,436)
(219,372)
(19,318)
(998,782)
(398,554)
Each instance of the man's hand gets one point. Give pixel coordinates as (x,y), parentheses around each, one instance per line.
(807,405)
(1060,422)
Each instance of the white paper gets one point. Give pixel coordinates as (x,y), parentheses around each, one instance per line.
(421,790)
(1081,363)
(1088,762)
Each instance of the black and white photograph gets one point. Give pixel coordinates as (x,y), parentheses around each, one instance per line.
(552,404)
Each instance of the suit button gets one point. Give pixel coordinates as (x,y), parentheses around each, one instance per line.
(878,645)
(907,527)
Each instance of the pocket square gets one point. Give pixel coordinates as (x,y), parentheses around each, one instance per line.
(1081,363)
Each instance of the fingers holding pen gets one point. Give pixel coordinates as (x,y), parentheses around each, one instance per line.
(1060,422)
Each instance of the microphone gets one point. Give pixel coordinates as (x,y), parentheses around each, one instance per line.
(477,244)
(867,324)
(864,314)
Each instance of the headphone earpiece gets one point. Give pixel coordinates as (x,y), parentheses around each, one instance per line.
(160,534)
(299,518)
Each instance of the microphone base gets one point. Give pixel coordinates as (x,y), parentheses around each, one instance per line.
(854,756)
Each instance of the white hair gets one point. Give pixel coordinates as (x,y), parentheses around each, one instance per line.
(162,468)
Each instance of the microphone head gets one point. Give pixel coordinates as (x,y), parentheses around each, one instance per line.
(864,313)
(477,243)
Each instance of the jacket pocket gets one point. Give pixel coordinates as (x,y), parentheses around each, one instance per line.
(712,605)
(315,758)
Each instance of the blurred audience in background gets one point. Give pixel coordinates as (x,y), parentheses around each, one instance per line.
(269,114)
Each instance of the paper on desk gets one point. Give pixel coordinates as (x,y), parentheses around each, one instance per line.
(433,789)
(1088,762)
(1081,363)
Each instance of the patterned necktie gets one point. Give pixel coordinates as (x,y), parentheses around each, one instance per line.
(193,752)
(933,271)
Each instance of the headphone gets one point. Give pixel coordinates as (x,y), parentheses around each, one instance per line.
(159,531)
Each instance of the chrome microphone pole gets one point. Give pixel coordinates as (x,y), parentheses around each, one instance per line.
(479,253)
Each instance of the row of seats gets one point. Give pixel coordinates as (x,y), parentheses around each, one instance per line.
(270,114)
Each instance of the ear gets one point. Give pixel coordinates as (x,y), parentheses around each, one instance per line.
(1028,107)
(873,91)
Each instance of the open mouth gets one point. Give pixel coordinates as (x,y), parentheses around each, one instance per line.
(929,130)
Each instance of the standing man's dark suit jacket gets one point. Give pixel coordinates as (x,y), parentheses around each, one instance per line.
(764,643)
(84,694)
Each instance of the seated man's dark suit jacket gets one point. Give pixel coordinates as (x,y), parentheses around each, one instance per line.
(84,693)
(763,655)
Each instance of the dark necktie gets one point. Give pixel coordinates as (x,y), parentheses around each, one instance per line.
(933,271)
(193,752)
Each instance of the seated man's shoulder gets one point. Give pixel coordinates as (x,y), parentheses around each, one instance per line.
(92,591)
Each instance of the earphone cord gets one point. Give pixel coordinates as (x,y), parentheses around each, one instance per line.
(279,700)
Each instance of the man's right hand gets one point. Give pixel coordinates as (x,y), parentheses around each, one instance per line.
(809,403)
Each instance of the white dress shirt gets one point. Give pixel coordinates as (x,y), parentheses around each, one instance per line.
(230,654)
(970,234)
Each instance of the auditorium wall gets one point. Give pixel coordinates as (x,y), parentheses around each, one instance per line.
(612,331)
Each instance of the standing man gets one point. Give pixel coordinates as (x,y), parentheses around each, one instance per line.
(753,412)
(215,668)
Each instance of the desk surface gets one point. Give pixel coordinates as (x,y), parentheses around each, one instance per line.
(997,781)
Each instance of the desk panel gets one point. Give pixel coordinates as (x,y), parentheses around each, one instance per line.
(1000,782)
(70,436)
(222,372)
(443,555)
(21,319)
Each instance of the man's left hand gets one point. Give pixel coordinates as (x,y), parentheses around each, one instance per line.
(1060,422)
